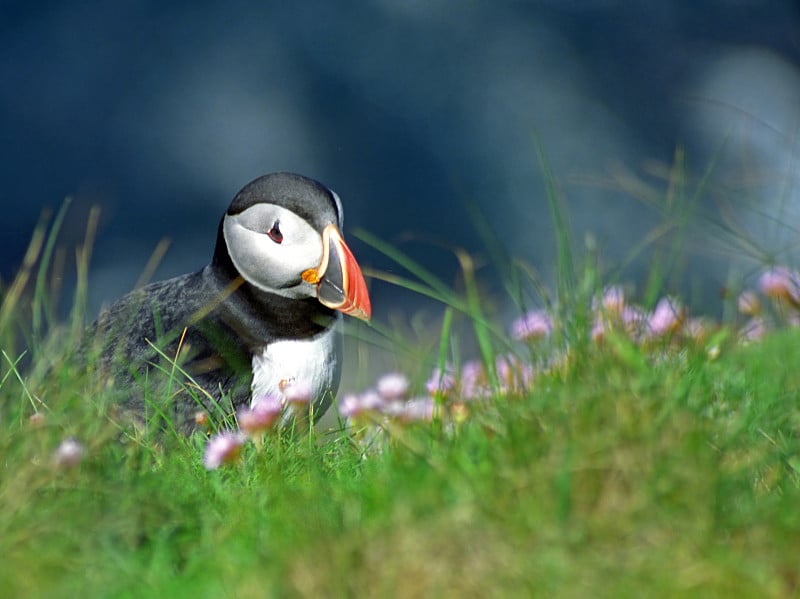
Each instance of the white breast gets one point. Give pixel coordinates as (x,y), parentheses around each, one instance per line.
(315,361)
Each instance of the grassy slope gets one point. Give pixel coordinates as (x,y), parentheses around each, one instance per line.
(622,476)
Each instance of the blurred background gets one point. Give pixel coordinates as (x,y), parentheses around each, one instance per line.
(413,111)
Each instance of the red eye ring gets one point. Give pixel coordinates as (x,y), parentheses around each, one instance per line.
(275,232)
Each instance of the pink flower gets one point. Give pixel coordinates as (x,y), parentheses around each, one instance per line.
(298,393)
(473,380)
(371,401)
(598,331)
(748,303)
(349,406)
(261,417)
(506,368)
(633,319)
(69,454)
(613,300)
(393,386)
(782,284)
(513,375)
(355,406)
(201,419)
(533,325)
(666,317)
(754,330)
(697,328)
(37,419)
(268,404)
(224,448)
(441,382)
(527,375)
(417,410)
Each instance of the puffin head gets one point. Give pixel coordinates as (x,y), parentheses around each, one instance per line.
(283,235)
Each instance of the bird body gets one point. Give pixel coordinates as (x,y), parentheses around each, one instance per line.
(262,315)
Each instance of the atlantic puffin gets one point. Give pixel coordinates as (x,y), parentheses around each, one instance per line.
(262,315)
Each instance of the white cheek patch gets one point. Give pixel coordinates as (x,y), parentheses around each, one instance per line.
(271,266)
(255,257)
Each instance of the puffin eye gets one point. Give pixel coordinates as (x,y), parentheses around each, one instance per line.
(275,232)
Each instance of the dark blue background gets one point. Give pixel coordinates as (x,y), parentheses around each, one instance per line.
(160,112)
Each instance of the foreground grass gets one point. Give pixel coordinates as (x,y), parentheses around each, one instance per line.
(624,474)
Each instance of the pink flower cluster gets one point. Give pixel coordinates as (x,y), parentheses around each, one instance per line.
(453,389)
(781,284)
(781,287)
(225,448)
(389,400)
(450,391)
(611,311)
(473,382)
(533,325)
(260,418)
(668,319)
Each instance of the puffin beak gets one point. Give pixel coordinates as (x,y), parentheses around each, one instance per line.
(340,284)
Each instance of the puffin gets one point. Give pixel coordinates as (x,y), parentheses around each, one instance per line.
(262,315)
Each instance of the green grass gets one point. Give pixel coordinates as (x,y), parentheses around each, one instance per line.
(628,471)
(619,479)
